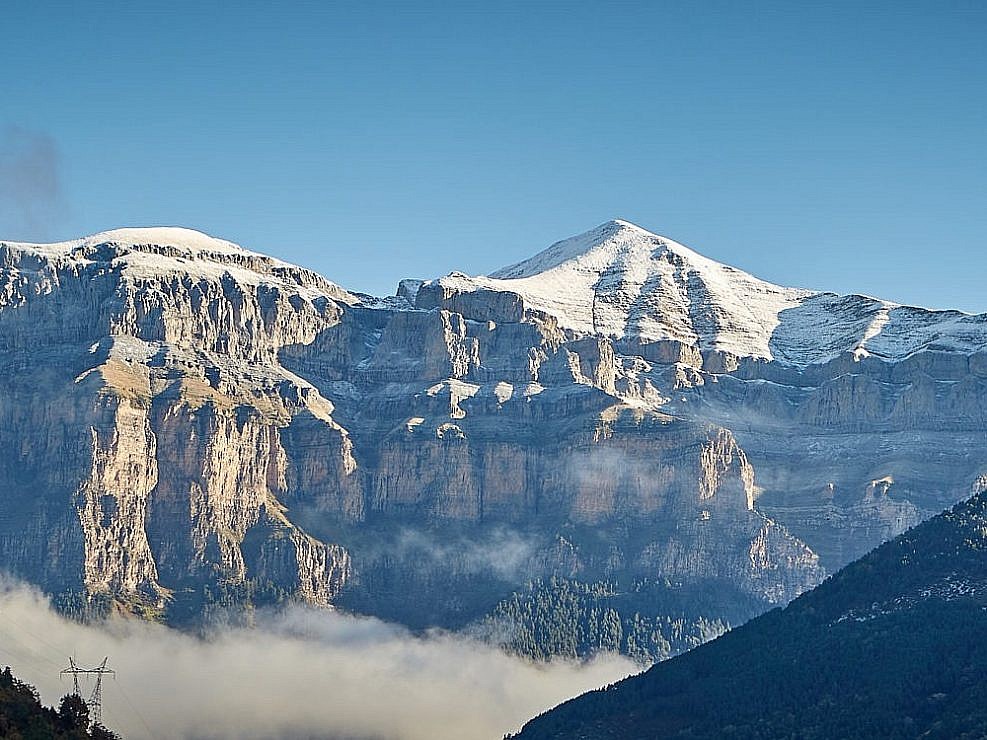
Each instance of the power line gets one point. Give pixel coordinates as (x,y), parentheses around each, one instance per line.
(96,698)
(33,653)
(134,709)
(17,631)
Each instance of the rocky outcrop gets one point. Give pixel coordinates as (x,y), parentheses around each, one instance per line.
(146,411)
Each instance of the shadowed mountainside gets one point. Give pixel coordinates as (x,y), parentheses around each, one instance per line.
(891,646)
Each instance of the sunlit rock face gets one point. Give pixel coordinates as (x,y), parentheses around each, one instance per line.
(145,417)
(181,417)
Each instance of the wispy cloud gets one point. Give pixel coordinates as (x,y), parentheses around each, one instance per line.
(499,551)
(31,201)
(299,674)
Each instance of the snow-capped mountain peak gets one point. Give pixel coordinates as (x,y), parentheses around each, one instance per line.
(626,283)
(621,281)
(616,239)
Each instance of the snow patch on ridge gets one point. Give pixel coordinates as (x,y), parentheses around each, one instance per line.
(153,252)
(159,236)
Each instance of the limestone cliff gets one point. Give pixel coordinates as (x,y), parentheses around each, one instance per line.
(144,412)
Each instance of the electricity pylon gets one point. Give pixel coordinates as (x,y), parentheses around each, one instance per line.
(96,697)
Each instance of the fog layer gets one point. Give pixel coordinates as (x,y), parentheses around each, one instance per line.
(300,673)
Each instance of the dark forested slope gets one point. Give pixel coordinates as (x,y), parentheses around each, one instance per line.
(894,646)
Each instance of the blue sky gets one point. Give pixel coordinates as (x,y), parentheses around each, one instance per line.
(833,145)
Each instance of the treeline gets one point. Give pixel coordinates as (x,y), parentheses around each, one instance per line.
(573,619)
(228,601)
(23,717)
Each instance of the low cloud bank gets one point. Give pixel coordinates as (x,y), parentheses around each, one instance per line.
(301,673)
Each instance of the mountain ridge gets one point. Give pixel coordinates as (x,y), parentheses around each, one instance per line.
(186,428)
(151,251)
(621,281)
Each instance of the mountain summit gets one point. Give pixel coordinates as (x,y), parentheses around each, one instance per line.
(598,248)
(626,283)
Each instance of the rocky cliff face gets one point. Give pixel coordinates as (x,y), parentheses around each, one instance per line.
(144,412)
(181,417)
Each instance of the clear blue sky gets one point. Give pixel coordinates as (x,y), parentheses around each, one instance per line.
(836,145)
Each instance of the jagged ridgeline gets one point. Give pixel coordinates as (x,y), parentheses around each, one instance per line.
(892,646)
(188,427)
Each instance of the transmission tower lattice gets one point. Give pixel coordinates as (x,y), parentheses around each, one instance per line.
(96,697)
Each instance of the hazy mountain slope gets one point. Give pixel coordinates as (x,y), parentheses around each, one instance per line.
(891,646)
(186,425)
